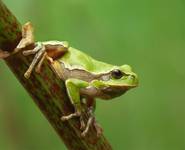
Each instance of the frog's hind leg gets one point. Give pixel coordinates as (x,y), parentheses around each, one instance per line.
(38,67)
(44,50)
(38,46)
(40,55)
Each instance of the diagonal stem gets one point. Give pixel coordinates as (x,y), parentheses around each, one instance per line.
(46,89)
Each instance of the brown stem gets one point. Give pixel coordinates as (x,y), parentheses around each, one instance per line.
(46,89)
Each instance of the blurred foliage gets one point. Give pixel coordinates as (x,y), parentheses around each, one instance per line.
(148,35)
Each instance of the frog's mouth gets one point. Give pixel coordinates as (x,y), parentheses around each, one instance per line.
(115,91)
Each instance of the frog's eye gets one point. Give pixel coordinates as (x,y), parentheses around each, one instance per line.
(116,74)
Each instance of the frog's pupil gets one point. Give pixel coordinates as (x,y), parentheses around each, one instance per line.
(117,74)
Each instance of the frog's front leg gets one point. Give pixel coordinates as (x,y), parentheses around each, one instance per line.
(38,59)
(50,50)
(73,87)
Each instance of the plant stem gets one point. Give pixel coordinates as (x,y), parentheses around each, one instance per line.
(46,89)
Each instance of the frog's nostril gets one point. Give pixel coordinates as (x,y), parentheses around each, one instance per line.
(131,77)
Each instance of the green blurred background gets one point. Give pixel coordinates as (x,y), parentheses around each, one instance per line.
(147,34)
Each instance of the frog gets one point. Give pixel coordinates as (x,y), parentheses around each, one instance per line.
(85,78)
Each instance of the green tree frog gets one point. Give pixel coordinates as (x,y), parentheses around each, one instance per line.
(84,77)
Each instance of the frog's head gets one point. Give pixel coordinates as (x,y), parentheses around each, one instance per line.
(119,80)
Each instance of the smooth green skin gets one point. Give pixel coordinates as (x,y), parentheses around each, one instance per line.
(75,59)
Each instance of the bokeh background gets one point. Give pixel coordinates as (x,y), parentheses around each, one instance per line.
(147,34)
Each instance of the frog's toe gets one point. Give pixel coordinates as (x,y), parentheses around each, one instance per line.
(4,54)
(64,118)
(70,116)
(93,122)
(27,74)
(89,123)
(84,133)
(82,123)
(22,44)
(28,52)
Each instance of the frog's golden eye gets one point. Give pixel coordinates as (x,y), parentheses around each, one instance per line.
(116,74)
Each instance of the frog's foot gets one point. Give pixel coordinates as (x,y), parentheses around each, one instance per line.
(39,50)
(92,121)
(27,37)
(73,115)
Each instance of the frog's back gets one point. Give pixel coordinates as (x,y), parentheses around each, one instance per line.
(75,59)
